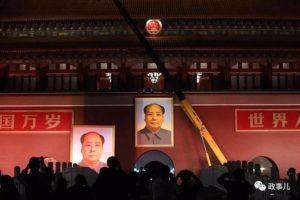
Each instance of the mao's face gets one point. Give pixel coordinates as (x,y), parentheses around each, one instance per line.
(92,147)
(154,117)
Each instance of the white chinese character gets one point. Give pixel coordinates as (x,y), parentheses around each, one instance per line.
(286,186)
(28,119)
(7,121)
(279,186)
(279,118)
(298,121)
(256,120)
(271,186)
(52,121)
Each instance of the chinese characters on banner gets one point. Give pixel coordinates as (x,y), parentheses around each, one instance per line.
(267,120)
(42,121)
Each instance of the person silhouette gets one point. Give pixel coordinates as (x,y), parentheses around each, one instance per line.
(8,189)
(80,190)
(189,185)
(36,180)
(236,185)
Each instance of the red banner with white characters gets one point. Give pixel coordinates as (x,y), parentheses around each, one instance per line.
(267,120)
(41,121)
(26,133)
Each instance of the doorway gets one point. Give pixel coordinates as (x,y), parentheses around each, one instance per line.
(152,159)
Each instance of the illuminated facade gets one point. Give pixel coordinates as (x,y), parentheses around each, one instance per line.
(223,57)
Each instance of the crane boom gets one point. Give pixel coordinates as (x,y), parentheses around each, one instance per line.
(186,106)
(190,112)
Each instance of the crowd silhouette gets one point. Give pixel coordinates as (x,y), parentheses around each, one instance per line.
(155,182)
(237,187)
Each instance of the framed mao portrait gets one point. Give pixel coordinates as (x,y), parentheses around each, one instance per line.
(91,145)
(154,122)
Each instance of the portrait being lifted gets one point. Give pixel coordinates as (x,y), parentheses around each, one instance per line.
(92,145)
(154,122)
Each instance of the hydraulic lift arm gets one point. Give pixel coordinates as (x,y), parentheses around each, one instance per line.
(186,106)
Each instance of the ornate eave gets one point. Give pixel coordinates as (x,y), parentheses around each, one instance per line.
(80,31)
(105,9)
(192,33)
(178,55)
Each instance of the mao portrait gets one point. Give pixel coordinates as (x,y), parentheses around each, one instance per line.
(92,145)
(154,122)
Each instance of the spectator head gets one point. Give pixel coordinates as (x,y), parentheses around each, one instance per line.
(113,163)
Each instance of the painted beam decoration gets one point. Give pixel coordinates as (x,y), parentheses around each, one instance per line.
(40,121)
(267,120)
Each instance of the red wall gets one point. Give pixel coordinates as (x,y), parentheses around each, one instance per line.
(216,111)
(17,148)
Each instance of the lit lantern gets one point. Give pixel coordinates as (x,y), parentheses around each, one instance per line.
(153,26)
